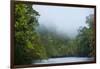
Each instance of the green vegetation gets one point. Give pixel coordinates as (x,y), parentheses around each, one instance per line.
(32,44)
(86,38)
(27,42)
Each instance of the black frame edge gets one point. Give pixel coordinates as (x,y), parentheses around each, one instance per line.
(12,66)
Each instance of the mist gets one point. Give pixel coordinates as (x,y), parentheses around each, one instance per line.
(63,21)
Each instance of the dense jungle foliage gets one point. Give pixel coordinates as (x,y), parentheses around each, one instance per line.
(32,44)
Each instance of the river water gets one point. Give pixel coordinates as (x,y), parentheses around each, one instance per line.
(64,60)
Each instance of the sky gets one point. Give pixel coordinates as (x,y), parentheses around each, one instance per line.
(65,20)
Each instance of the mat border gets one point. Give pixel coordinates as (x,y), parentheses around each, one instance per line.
(43,3)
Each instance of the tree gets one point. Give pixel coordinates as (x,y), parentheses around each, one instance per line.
(91,24)
(86,38)
(28,46)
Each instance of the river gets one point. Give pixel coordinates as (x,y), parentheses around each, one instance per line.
(64,60)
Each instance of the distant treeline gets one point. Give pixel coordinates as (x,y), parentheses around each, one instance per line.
(32,44)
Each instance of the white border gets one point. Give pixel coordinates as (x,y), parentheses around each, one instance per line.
(5,34)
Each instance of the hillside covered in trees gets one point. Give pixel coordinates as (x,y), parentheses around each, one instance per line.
(35,42)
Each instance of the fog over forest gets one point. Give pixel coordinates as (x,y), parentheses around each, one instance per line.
(53,34)
(63,21)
